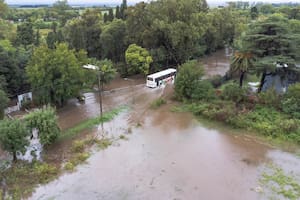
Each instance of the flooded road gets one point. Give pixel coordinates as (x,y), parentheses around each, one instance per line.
(168,156)
(217,63)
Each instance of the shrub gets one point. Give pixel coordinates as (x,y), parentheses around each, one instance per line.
(104,143)
(289,125)
(45,172)
(216,81)
(291,101)
(13,136)
(203,90)
(81,157)
(234,93)
(78,146)
(69,166)
(157,103)
(270,98)
(45,121)
(189,73)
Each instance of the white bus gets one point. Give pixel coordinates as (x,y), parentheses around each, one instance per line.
(161,78)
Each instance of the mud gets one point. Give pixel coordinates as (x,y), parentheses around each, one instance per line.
(170,156)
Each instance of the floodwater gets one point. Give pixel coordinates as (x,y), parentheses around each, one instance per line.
(170,156)
(217,63)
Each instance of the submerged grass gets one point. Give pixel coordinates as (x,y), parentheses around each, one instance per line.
(90,123)
(157,103)
(280,183)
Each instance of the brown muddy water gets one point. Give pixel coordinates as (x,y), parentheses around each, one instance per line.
(170,156)
(217,63)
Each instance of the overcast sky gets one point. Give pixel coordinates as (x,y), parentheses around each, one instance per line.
(129,1)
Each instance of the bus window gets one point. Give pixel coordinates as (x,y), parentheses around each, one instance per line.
(150,79)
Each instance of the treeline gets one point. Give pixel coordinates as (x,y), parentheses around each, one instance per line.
(161,34)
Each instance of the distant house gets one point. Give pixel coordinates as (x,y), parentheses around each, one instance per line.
(281,80)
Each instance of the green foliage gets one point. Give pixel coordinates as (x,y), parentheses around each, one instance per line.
(45,121)
(188,76)
(13,136)
(90,123)
(270,98)
(112,40)
(281,183)
(234,93)
(270,42)
(104,143)
(3,8)
(84,33)
(138,59)
(241,63)
(25,34)
(3,103)
(12,63)
(157,103)
(203,90)
(106,70)
(55,74)
(216,81)
(22,177)
(45,172)
(291,101)
(80,158)
(78,146)
(69,166)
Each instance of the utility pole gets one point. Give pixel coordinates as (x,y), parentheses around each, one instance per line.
(100,94)
(99,73)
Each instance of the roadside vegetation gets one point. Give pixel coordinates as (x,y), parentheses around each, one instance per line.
(21,177)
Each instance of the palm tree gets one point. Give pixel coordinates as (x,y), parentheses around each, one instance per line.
(241,63)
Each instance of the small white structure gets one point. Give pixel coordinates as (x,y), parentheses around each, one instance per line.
(24,97)
(21,98)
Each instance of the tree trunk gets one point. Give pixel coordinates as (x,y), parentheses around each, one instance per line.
(242,78)
(262,81)
(14,156)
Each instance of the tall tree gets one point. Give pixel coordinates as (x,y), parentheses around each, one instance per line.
(113,41)
(61,10)
(13,137)
(3,8)
(254,12)
(37,38)
(271,44)
(110,15)
(105,18)
(241,63)
(25,34)
(55,74)
(123,9)
(11,71)
(84,33)
(118,13)
(3,103)
(138,59)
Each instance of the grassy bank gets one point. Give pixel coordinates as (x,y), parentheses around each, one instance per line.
(22,177)
(265,121)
